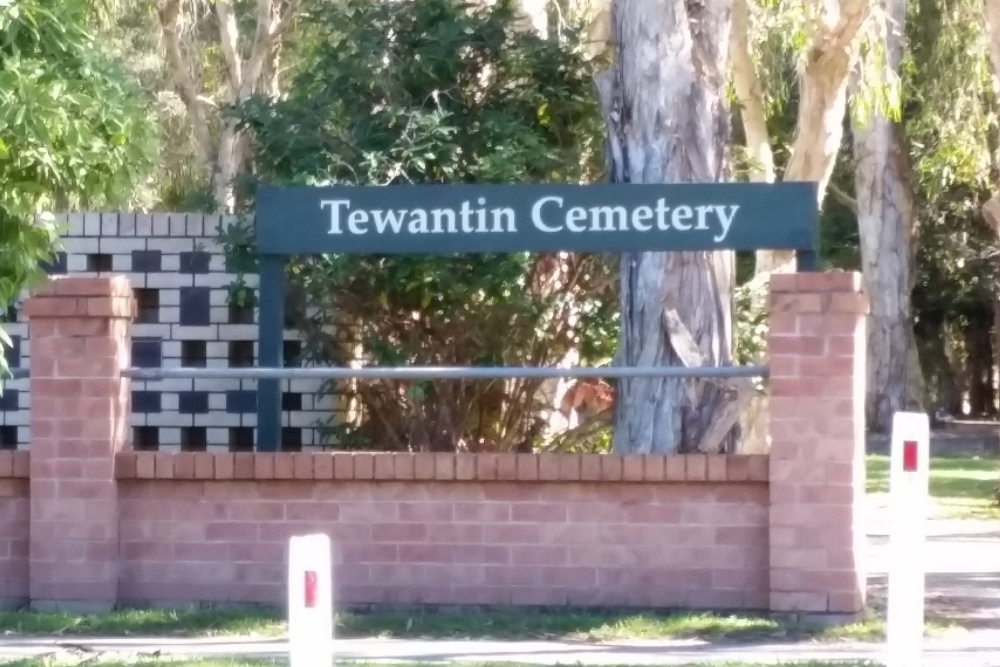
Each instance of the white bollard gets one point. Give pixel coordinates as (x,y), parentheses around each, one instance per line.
(310,601)
(909,477)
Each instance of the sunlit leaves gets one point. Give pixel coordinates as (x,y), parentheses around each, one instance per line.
(73,131)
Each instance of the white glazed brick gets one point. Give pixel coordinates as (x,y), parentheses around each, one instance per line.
(163,419)
(161,225)
(169,402)
(216,280)
(216,384)
(217,436)
(171,262)
(172,384)
(121,263)
(81,245)
(92,224)
(218,297)
(170,297)
(215,349)
(76,263)
(180,332)
(178,226)
(217,263)
(170,245)
(144,225)
(168,280)
(126,224)
(218,315)
(170,314)
(239,332)
(217,402)
(216,419)
(170,437)
(137,279)
(139,419)
(109,224)
(115,245)
(171,348)
(18,417)
(195,225)
(151,330)
(74,224)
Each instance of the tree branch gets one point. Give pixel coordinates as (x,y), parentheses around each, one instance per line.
(184,83)
(842,197)
(229,35)
(271,23)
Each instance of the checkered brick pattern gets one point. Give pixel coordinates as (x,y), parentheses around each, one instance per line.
(178,270)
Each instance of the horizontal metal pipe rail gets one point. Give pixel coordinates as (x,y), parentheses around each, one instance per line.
(449,372)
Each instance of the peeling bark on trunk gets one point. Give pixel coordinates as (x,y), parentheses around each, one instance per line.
(886,219)
(667,122)
(991,209)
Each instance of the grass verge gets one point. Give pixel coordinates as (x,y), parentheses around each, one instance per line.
(501,625)
(962,487)
(42,662)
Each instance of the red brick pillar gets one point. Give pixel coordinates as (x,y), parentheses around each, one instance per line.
(817,349)
(80,404)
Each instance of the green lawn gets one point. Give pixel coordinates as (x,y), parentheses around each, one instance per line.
(581,626)
(963,487)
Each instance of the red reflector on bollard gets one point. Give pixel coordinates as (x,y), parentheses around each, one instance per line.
(310,596)
(909,456)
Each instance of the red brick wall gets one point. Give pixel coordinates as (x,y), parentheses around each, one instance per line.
(105,524)
(687,542)
(14,521)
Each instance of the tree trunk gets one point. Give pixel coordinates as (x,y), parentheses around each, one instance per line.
(884,197)
(667,122)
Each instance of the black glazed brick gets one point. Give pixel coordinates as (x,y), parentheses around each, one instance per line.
(291,401)
(145,438)
(8,400)
(147,352)
(57,266)
(196,261)
(241,401)
(291,353)
(291,439)
(192,402)
(8,437)
(13,353)
(147,261)
(195,306)
(146,401)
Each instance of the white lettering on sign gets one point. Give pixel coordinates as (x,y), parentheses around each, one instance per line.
(549,214)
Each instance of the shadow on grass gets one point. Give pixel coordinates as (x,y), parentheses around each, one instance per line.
(464,624)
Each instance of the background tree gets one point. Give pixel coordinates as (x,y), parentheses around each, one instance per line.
(430,91)
(75,132)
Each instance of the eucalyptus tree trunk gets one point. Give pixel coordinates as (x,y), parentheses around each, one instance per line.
(668,123)
(991,209)
(884,197)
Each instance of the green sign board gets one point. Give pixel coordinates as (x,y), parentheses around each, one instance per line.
(449,219)
(444,219)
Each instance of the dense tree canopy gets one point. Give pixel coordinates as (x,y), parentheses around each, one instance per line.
(74,131)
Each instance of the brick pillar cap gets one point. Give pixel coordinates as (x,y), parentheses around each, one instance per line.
(101,286)
(827,281)
(71,296)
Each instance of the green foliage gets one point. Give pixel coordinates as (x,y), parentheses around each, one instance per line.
(73,131)
(434,91)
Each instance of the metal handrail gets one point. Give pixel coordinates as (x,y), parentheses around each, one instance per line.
(449,372)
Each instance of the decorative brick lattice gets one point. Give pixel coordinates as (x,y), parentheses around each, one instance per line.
(177,268)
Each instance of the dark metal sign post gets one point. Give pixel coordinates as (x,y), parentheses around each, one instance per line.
(456,219)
